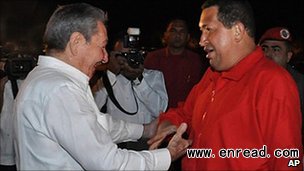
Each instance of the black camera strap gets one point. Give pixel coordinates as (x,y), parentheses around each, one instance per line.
(111,95)
(14,86)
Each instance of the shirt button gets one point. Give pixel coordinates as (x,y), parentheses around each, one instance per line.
(213,92)
(204,115)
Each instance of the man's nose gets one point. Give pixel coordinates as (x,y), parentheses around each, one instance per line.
(105,57)
(203,40)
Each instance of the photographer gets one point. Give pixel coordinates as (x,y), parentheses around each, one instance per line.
(7,154)
(140,93)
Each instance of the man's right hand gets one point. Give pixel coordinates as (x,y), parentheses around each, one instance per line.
(164,129)
(177,145)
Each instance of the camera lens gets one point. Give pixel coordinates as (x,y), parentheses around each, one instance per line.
(135,59)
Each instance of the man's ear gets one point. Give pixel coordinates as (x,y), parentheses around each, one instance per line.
(164,39)
(289,55)
(238,31)
(76,39)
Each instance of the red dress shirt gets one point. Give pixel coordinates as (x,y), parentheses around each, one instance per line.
(253,104)
(181,72)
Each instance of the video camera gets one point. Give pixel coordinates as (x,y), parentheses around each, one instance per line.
(17,66)
(135,55)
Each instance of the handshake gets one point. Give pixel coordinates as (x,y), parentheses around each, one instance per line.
(177,146)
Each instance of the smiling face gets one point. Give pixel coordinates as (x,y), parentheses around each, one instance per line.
(216,40)
(94,52)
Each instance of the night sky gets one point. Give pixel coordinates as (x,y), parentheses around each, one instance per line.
(25,19)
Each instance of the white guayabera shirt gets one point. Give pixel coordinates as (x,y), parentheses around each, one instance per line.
(59,127)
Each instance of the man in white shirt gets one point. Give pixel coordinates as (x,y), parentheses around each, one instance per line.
(56,121)
(140,92)
(139,95)
(7,95)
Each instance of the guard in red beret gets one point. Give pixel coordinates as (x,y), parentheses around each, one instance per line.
(277,45)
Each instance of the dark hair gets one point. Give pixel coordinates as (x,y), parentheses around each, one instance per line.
(78,17)
(118,37)
(175,20)
(232,11)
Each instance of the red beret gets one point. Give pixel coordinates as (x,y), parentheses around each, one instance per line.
(276,33)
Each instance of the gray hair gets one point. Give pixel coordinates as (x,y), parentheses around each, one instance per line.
(67,19)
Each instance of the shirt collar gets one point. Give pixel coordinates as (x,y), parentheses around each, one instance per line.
(76,75)
(246,64)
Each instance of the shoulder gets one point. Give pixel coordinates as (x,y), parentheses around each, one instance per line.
(156,53)
(195,59)
(270,76)
(268,70)
(152,72)
(153,58)
(51,79)
(45,83)
(192,54)
(153,75)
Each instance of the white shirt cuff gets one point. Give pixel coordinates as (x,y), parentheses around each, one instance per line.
(163,159)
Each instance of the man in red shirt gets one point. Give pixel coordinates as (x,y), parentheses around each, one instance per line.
(245,111)
(182,68)
(277,44)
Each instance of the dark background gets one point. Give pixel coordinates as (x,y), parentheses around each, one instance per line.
(23,21)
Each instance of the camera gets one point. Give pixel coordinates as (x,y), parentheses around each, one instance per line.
(17,66)
(134,58)
(135,55)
